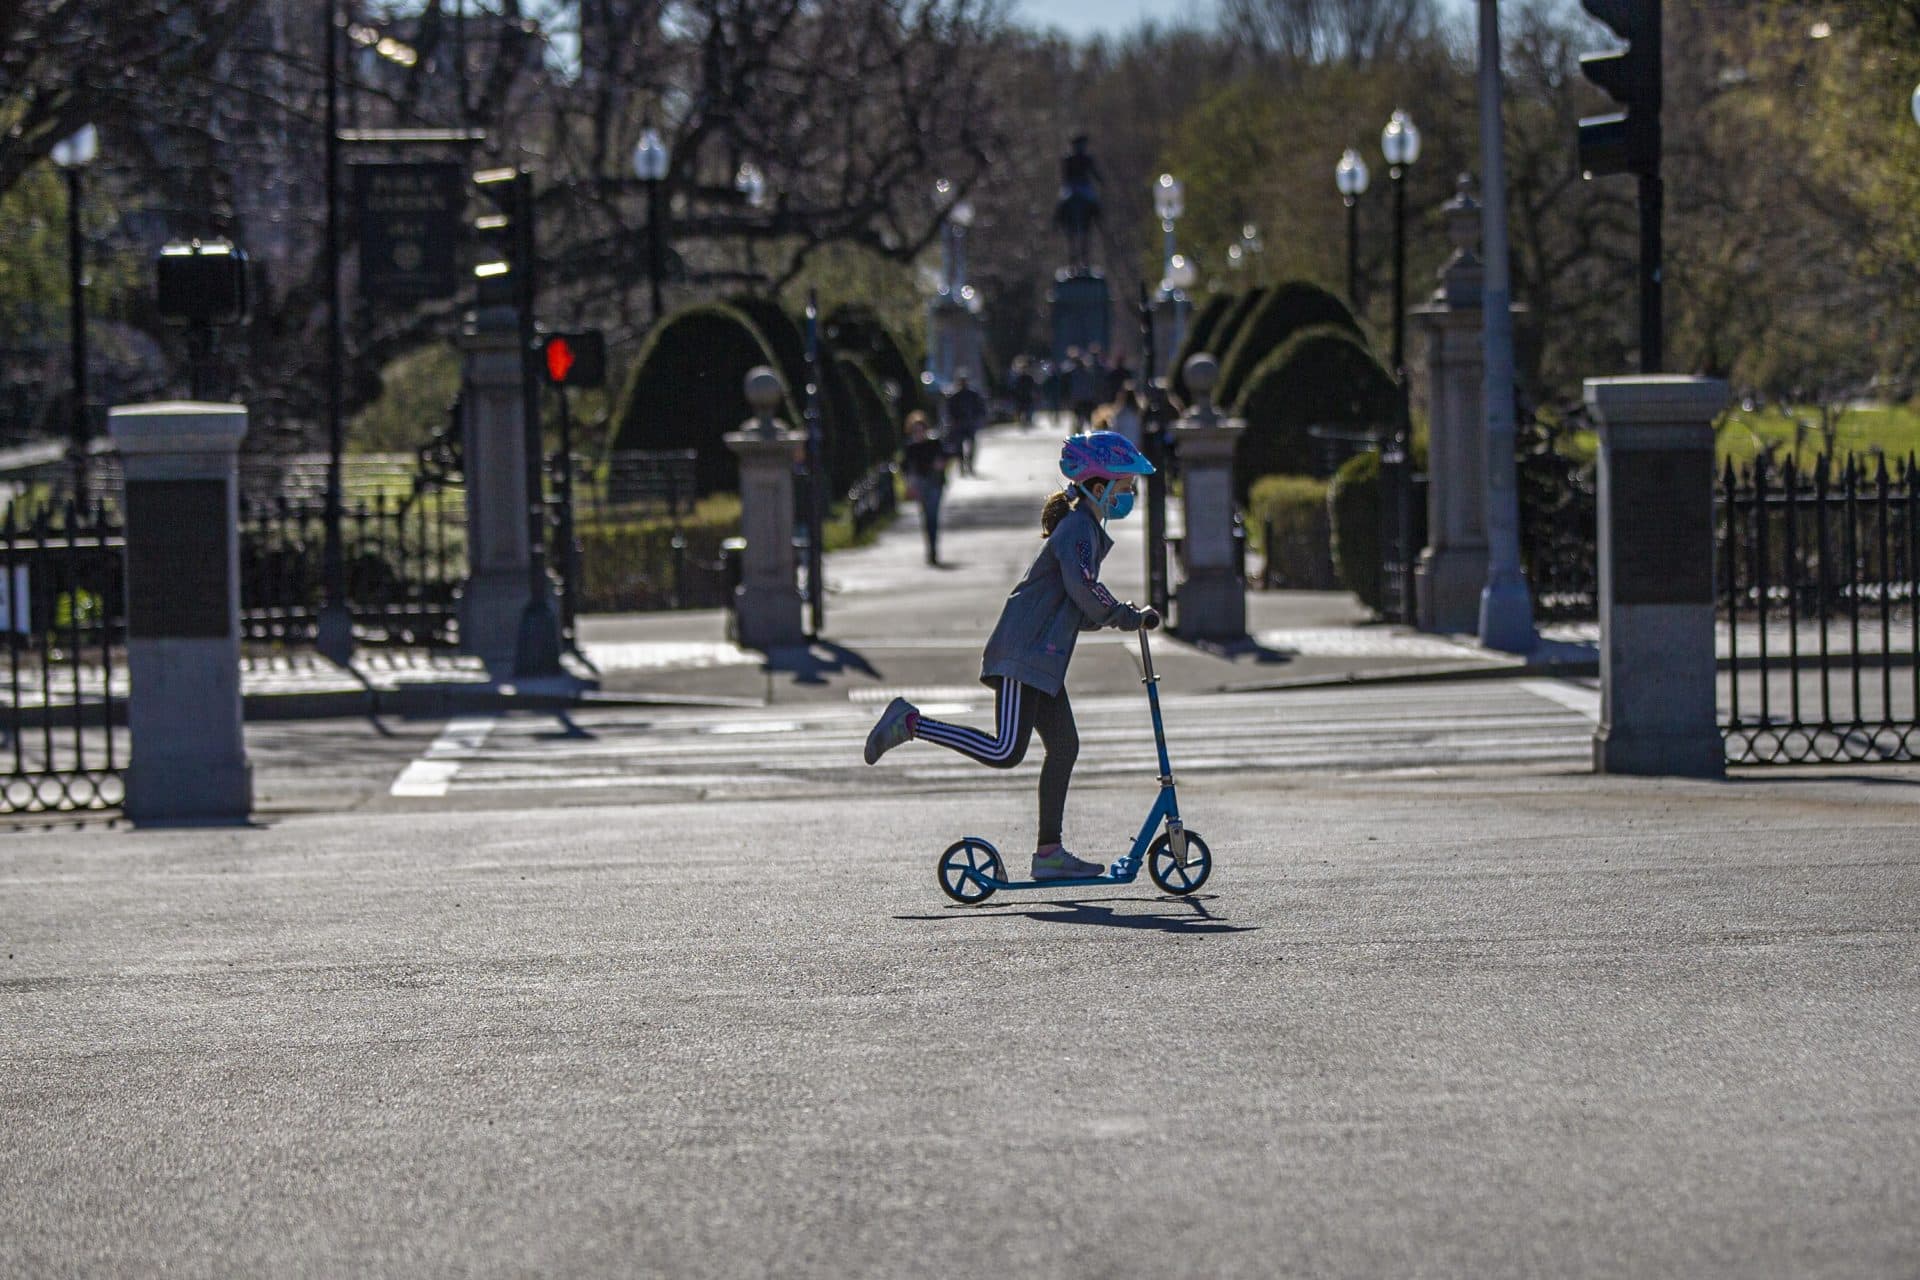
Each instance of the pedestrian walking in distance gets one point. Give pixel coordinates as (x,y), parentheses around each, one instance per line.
(966,415)
(1026,658)
(924,461)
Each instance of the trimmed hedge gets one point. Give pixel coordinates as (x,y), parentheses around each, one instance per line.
(1289,516)
(628,565)
(1199,334)
(685,390)
(1288,309)
(882,432)
(1221,340)
(844,439)
(1353,508)
(1322,377)
(857,330)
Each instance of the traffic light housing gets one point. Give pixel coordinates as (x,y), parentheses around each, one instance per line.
(503,233)
(574,359)
(201,282)
(1625,141)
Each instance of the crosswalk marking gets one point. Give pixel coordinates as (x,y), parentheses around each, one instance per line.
(433,773)
(1531,723)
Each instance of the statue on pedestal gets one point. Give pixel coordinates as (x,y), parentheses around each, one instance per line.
(1079,207)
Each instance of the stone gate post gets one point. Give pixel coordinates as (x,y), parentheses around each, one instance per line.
(189,761)
(493,440)
(767,601)
(1211,600)
(1658,710)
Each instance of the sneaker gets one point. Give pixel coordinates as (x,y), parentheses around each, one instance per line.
(895,726)
(1058,864)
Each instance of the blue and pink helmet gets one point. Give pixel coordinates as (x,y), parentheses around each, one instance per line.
(1101,455)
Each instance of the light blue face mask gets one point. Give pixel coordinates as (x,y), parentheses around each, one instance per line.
(1110,505)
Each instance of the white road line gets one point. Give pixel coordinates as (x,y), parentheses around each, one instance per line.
(1574,697)
(433,773)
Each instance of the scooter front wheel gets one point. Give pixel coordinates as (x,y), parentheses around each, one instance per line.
(1174,876)
(970,870)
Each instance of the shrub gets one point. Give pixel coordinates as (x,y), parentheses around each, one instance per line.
(1288,309)
(870,406)
(1220,341)
(858,331)
(1322,377)
(685,390)
(843,440)
(1353,509)
(1288,514)
(628,565)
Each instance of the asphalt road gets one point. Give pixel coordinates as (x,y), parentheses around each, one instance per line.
(1475,1025)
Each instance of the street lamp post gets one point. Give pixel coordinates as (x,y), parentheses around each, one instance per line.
(650,162)
(1177,273)
(1400,144)
(333,629)
(1350,177)
(72,155)
(752,186)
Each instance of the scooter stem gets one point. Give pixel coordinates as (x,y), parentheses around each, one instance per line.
(1146,660)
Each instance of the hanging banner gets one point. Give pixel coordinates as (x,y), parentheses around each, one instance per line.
(409,220)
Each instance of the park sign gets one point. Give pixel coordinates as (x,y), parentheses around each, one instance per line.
(409,219)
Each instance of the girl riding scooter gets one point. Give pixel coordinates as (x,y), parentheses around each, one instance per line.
(1026,657)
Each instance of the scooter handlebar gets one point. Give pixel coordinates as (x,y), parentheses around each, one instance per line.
(1149,619)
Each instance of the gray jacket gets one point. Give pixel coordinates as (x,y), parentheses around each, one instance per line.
(1060,597)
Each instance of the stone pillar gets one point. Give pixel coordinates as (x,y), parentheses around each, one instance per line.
(494,442)
(1211,601)
(1453,567)
(1081,309)
(1657,677)
(767,602)
(189,760)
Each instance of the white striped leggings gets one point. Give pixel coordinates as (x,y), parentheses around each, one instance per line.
(1019,710)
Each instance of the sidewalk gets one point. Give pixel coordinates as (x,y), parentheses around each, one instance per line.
(893,623)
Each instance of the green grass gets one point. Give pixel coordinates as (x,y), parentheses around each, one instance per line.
(1890,429)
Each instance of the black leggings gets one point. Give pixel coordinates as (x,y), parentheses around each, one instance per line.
(1020,709)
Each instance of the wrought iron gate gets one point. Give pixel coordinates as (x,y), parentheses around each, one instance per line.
(1819,577)
(63,615)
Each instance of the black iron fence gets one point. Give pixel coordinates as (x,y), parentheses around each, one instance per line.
(1556,477)
(872,499)
(1819,573)
(405,558)
(63,616)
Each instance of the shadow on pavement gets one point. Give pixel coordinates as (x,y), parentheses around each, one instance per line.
(812,664)
(1234,650)
(1175,915)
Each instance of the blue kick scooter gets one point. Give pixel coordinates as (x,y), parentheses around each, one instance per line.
(970,871)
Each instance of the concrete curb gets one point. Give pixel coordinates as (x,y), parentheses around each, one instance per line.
(1425,675)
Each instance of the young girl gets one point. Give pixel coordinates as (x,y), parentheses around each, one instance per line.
(1026,658)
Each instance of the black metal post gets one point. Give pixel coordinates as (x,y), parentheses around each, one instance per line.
(656,245)
(1652,332)
(1398,175)
(1353,251)
(816,478)
(76,283)
(1151,426)
(334,632)
(569,549)
(538,650)
(1403,427)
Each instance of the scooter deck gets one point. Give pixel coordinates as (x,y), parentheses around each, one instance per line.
(1065,882)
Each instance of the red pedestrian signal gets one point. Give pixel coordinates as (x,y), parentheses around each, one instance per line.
(560,360)
(574,359)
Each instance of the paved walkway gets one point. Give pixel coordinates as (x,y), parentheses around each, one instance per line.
(894,622)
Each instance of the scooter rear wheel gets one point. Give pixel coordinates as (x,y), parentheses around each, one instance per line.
(968,869)
(1167,870)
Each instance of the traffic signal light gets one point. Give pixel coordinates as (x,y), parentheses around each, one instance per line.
(574,359)
(504,265)
(1625,141)
(202,282)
